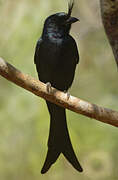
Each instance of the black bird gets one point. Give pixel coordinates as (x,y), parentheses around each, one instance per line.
(56,57)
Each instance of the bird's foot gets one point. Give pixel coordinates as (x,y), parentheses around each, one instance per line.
(48,87)
(68,94)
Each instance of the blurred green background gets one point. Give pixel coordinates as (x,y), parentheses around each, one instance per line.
(24,119)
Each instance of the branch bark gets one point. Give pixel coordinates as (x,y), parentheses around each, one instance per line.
(75,104)
(109,12)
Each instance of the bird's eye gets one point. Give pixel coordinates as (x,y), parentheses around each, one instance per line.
(62,20)
(61,17)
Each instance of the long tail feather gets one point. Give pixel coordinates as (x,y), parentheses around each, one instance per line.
(59,140)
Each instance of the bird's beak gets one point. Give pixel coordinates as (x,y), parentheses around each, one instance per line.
(72,20)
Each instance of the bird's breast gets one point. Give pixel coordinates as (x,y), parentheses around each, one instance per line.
(56,64)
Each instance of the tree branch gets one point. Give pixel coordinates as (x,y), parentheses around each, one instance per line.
(75,104)
(109,12)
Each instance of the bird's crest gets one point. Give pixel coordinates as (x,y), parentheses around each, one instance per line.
(70,7)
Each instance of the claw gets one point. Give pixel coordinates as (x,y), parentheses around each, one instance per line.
(68,94)
(48,87)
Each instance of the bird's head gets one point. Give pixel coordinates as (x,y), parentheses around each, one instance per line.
(60,22)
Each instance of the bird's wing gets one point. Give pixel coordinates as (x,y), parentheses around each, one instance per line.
(77,55)
(36,55)
(72,45)
(75,48)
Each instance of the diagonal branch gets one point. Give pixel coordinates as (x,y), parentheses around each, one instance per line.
(75,104)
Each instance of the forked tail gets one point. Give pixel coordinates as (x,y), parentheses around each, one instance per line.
(59,140)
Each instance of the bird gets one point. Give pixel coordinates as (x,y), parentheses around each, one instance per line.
(56,57)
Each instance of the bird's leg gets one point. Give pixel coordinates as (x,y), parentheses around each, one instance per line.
(48,87)
(68,94)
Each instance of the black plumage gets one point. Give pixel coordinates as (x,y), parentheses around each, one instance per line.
(56,57)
